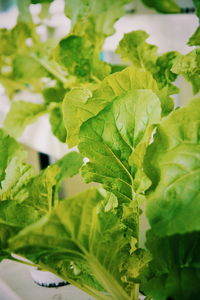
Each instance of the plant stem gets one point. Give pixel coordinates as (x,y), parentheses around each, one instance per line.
(96,294)
(51,70)
(135,292)
(110,284)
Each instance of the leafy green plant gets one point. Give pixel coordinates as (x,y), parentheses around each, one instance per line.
(142,152)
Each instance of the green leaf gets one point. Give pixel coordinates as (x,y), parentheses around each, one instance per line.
(105,13)
(189,67)
(41,192)
(133,47)
(27,68)
(14,173)
(24,13)
(80,56)
(77,233)
(22,114)
(57,125)
(24,196)
(13,217)
(69,165)
(174,271)
(164,6)
(80,104)
(164,76)
(194,40)
(92,22)
(53,94)
(17,214)
(173,165)
(9,149)
(109,138)
(17,175)
(197,6)
(76,110)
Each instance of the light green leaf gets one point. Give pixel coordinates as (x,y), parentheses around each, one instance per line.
(57,125)
(22,114)
(41,192)
(105,13)
(69,165)
(80,55)
(24,13)
(27,68)
(92,22)
(164,6)
(173,165)
(133,47)
(194,40)
(16,214)
(9,149)
(80,104)
(77,233)
(109,139)
(76,110)
(18,174)
(174,271)
(189,67)
(163,75)
(14,173)
(25,197)
(13,217)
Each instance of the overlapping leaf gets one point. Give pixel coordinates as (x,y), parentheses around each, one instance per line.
(174,272)
(109,139)
(80,104)
(24,196)
(189,66)
(78,234)
(173,165)
(133,47)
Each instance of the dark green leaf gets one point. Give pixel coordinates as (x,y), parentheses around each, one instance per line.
(164,6)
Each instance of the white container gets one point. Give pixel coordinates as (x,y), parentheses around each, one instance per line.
(46,279)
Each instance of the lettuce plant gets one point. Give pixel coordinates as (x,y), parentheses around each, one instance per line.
(143,153)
